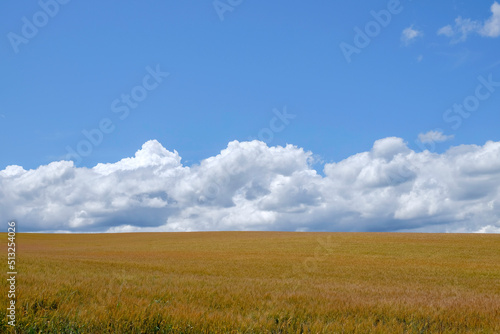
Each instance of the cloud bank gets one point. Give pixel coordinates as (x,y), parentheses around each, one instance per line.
(250,186)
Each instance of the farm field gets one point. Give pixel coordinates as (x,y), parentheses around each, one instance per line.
(255,282)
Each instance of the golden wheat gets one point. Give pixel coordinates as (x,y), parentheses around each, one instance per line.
(256,282)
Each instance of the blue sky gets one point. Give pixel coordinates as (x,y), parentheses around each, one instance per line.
(233,67)
(227,76)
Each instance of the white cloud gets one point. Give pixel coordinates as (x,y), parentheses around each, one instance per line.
(489,229)
(250,186)
(461,30)
(465,27)
(446,31)
(409,34)
(491,27)
(434,137)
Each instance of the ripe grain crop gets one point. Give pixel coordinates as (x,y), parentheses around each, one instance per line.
(255,282)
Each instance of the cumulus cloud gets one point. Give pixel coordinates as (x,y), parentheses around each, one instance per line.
(251,186)
(434,137)
(408,35)
(465,27)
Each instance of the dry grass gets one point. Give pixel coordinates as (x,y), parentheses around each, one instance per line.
(256,282)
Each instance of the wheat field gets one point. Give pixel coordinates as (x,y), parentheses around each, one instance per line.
(255,282)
